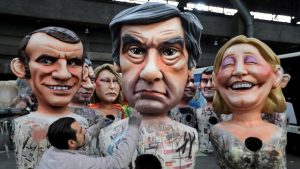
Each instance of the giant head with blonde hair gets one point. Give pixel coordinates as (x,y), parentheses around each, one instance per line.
(275,100)
(111,69)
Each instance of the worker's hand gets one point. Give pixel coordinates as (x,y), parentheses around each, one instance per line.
(103,122)
(135,118)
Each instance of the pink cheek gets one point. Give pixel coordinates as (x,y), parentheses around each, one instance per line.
(221,78)
(262,73)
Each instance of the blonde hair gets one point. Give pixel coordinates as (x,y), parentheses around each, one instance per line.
(111,69)
(275,101)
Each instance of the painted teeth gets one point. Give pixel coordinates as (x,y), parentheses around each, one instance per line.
(241,86)
(58,87)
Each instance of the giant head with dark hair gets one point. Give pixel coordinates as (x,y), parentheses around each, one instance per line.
(153,12)
(154,43)
(62,34)
(51,60)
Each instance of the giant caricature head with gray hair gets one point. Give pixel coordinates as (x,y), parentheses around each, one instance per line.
(156,47)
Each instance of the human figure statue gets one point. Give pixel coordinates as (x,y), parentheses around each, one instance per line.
(51,60)
(206,117)
(156,47)
(79,106)
(84,95)
(67,137)
(183,112)
(247,75)
(8,92)
(289,112)
(108,95)
(25,99)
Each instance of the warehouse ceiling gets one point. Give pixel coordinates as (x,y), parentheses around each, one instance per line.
(275,22)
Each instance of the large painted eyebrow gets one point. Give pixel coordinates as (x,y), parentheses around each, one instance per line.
(128,39)
(42,56)
(173,41)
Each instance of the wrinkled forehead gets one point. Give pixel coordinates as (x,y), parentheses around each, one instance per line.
(44,42)
(172,25)
(241,47)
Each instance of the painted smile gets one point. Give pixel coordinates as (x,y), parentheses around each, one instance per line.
(241,86)
(151,94)
(58,87)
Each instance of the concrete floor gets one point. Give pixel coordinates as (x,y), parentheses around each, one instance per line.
(7,161)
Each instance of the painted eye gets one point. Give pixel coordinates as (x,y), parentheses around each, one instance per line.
(46,60)
(93,79)
(250,59)
(171,53)
(228,61)
(136,52)
(75,62)
(204,81)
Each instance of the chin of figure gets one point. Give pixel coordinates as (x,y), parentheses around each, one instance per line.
(151,111)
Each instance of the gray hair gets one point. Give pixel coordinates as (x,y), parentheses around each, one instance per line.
(153,12)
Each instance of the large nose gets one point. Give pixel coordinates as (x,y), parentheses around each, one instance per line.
(112,84)
(62,72)
(151,71)
(87,84)
(240,69)
(209,83)
(190,84)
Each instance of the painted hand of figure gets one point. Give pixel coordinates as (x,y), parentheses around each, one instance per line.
(135,118)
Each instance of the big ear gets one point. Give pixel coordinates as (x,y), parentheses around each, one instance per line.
(285,80)
(72,144)
(117,67)
(18,68)
(278,76)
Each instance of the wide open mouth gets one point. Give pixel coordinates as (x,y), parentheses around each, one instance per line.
(241,85)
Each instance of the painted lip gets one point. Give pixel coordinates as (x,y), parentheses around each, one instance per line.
(241,85)
(114,94)
(150,94)
(86,92)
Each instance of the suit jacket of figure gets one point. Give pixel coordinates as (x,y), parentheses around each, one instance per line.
(155,47)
